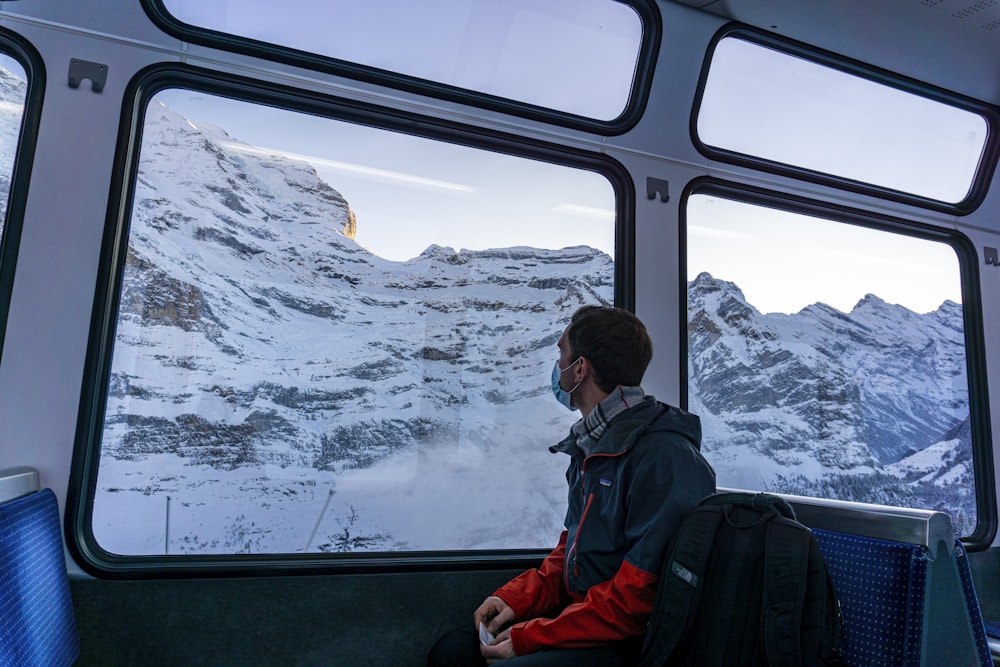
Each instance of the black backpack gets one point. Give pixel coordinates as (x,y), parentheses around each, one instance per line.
(743,583)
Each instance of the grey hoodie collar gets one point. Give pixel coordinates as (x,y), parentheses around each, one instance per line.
(589,430)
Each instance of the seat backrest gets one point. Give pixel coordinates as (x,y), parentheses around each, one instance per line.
(882,588)
(37,624)
(903,582)
(972,607)
(904,605)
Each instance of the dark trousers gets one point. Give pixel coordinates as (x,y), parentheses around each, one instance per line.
(460,648)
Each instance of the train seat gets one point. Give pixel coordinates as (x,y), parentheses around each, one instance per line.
(993,638)
(885,589)
(983,647)
(904,584)
(37,622)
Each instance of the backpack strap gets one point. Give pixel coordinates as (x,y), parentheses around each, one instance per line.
(680,585)
(786,564)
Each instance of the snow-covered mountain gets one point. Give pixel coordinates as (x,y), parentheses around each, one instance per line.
(243,281)
(13,90)
(254,332)
(277,387)
(850,405)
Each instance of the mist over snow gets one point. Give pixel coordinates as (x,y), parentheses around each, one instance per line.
(276,387)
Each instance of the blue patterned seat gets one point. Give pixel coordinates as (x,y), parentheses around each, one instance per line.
(884,588)
(972,605)
(37,624)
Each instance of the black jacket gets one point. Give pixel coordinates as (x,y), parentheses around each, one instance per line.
(626,500)
(629,495)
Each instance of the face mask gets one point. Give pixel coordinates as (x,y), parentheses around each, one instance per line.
(561,394)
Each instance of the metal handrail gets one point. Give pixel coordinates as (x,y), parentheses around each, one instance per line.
(898,524)
(18,482)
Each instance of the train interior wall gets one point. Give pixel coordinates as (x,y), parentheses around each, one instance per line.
(331,619)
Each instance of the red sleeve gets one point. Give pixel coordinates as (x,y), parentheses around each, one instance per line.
(536,592)
(614,610)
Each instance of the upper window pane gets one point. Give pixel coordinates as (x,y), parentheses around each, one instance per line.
(827,359)
(333,337)
(772,105)
(572,56)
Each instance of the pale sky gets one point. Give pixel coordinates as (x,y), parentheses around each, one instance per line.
(785,261)
(577,56)
(408,192)
(11,65)
(761,102)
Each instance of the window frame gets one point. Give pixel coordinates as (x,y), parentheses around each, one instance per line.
(991,114)
(648,13)
(975,340)
(16,47)
(104,319)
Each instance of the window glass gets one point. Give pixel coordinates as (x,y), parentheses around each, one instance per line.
(827,359)
(13,91)
(772,105)
(573,56)
(338,338)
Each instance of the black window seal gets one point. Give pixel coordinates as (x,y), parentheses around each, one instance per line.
(649,46)
(78,525)
(975,339)
(15,46)
(990,113)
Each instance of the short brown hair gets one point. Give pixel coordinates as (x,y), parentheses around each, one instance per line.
(614,341)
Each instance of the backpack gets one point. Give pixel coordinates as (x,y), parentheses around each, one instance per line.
(743,583)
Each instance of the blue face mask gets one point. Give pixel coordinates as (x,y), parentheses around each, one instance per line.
(561,394)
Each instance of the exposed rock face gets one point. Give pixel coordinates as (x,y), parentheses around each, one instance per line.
(245,301)
(852,396)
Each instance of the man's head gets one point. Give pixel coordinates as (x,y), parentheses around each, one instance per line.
(613,341)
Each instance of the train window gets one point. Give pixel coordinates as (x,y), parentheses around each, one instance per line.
(336,337)
(576,57)
(762,102)
(13,91)
(828,359)
(21,85)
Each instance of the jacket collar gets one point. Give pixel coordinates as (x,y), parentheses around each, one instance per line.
(588,431)
(621,432)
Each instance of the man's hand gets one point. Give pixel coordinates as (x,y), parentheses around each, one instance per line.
(502,648)
(495,613)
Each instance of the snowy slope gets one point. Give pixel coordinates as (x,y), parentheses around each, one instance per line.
(834,404)
(255,333)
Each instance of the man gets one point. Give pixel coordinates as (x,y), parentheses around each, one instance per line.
(635,470)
